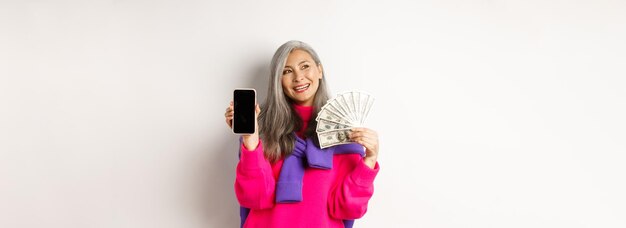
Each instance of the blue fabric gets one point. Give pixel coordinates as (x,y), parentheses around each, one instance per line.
(243,214)
(348,223)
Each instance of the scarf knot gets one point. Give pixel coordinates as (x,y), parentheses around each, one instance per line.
(306,154)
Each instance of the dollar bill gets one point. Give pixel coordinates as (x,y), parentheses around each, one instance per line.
(335,111)
(343,101)
(366,103)
(327,125)
(329,115)
(368,106)
(333,138)
(356,97)
(337,105)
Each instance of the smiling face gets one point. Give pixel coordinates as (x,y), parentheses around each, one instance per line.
(301,77)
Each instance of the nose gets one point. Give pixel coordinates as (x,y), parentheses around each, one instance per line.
(298,76)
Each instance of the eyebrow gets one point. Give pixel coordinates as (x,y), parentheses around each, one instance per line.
(299,63)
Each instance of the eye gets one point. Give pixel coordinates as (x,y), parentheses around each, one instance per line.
(286,71)
(305,66)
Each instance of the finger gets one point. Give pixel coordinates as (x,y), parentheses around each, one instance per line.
(370,141)
(363,134)
(370,131)
(365,138)
(357,129)
(356,134)
(364,129)
(229,122)
(371,146)
(368,145)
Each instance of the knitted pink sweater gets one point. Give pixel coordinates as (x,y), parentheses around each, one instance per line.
(328,196)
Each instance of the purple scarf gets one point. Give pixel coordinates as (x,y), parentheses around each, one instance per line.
(306,154)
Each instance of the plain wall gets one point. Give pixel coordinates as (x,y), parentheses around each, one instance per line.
(490,113)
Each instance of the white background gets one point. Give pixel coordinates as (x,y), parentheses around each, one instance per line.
(490,113)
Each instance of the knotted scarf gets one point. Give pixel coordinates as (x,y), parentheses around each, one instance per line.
(307,154)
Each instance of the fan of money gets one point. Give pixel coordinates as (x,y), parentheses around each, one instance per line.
(339,115)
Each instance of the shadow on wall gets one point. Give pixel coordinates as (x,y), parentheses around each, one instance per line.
(215,176)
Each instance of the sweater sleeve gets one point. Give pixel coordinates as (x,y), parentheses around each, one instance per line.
(349,198)
(254,182)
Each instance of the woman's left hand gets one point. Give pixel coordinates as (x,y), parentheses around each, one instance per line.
(369,139)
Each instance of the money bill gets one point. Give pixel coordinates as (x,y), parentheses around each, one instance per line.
(336,104)
(365,105)
(329,115)
(333,138)
(356,98)
(327,125)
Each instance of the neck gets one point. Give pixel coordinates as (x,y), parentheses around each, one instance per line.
(305,113)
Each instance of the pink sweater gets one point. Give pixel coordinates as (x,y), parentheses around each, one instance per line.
(328,196)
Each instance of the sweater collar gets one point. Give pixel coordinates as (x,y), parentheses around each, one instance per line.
(304,112)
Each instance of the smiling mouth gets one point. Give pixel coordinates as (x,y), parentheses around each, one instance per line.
(302,88)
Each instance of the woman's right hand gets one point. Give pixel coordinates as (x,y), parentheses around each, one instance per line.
(250,141)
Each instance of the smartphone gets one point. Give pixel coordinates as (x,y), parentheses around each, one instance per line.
(244,120)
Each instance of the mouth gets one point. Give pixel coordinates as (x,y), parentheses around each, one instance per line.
(301,88)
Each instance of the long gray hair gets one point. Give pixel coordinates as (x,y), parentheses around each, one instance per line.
(278,119)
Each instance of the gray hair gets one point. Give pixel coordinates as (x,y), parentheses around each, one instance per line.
(278,119)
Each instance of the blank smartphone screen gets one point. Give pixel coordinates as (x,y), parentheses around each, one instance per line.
(244,102)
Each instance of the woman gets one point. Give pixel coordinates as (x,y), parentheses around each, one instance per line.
(283,178)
